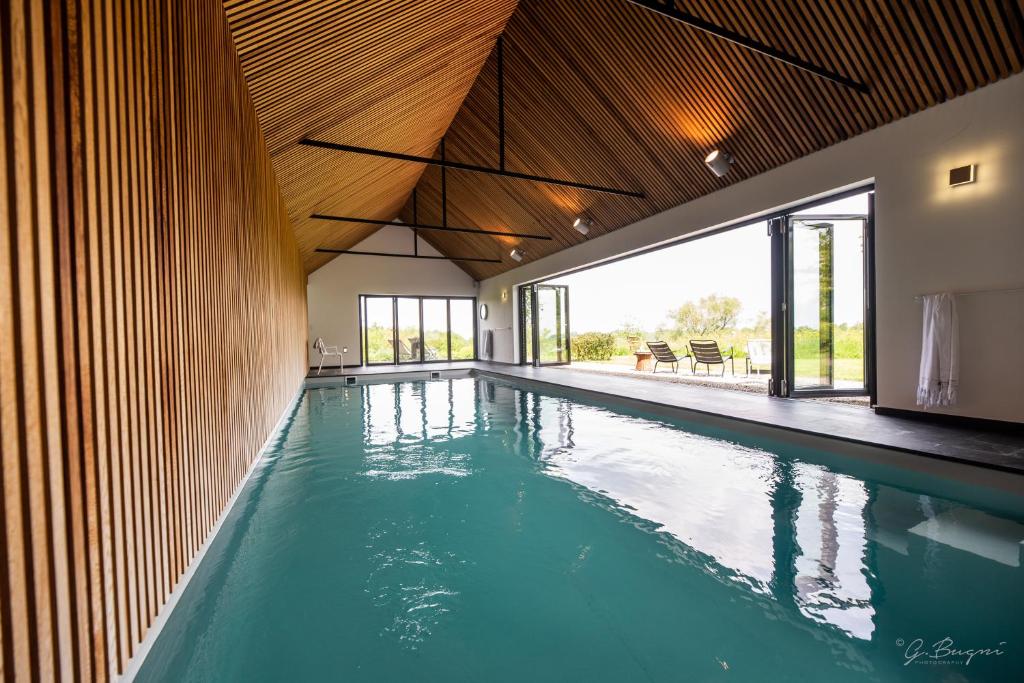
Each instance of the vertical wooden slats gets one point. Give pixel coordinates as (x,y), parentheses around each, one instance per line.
(152,316)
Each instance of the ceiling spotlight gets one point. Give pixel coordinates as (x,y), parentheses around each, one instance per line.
(582,225)
(517,254)
(719,162)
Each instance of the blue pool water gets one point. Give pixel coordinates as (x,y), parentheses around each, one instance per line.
(471,530)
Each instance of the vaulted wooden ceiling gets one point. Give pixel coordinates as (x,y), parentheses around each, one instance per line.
(601,92)
(378,73)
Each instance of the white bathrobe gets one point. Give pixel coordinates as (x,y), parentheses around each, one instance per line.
(939,378)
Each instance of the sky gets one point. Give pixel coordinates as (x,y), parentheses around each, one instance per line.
(643,289)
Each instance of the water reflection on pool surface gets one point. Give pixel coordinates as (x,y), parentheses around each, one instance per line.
(470,529)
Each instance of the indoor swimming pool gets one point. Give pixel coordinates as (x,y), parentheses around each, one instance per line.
(475,530)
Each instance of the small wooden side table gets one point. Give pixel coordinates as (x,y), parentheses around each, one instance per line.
(643,360)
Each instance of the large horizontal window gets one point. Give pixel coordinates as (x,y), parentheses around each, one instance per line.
(417,329)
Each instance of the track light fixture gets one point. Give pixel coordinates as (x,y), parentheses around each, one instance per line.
(582,225)
(719,162)
(516,254)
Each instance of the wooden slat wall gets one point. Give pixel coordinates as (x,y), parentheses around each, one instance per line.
(152,316)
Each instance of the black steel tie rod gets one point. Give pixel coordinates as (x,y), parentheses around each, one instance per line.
(459,166)
(426,226)
(423,256)
(668,9)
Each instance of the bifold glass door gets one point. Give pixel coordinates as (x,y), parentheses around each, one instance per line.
(544,325)
(417,329)
(827,304)
(552,326)
(822,299)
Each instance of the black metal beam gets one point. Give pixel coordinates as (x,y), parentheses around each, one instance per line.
(668,9)
(423,226)
(459,166)
(424,256)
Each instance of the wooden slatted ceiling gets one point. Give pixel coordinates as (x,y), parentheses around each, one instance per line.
(377,73)
(611,93)
(152,316)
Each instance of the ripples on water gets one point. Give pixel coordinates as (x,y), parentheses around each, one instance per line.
(471,530)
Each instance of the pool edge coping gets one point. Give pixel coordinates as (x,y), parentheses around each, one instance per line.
(134,664)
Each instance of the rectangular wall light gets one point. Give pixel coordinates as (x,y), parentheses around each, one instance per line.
(961,175)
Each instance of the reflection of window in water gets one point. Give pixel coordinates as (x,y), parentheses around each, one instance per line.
(463,406)
(556,430)
(414,411)
(408,428)
(527,424)
(831,583)
(437,404)
(546,424)
(713,496)
(409,407)
(498,407)
(379,426)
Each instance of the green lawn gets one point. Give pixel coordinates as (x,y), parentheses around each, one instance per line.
(851,369)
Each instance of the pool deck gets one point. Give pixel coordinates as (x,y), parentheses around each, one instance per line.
(1002,450)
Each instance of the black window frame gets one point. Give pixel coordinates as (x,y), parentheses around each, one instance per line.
(364,332)
(779,384)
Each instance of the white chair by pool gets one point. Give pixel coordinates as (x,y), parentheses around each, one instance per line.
(759,353)
(324,350)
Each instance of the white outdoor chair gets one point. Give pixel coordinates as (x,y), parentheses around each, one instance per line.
(324,350)
(759,353)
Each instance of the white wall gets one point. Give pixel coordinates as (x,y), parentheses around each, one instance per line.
(332,291)
(930,237)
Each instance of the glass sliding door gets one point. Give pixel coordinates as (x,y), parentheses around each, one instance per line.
(526,325)
(409,342)
(378,330)
(463,328)
(551,327)
(813,253)
(435,329)
(544,337)
(417,329)
(827,304)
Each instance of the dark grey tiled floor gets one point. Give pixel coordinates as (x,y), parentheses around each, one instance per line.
(860,425)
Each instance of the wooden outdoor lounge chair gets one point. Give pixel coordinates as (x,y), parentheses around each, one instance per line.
(706,351)
(663,354)
(405,354)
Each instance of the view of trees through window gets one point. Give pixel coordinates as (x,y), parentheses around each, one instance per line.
(715,288)
(719,288)
(392,329)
